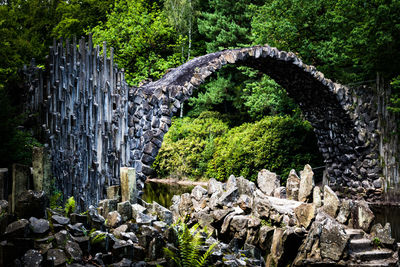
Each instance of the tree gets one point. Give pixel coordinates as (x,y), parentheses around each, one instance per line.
(143,40)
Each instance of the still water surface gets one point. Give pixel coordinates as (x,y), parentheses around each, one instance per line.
(163,193)
(390,214)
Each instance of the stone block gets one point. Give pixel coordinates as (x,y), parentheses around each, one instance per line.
(20,182)
(3,183)
(41,169)
(113,192)
(128,184)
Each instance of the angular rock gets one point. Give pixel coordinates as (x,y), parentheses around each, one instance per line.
(292,186)
(32,258)
(73,251)
(198,192)
(333,239)
(245,186)
(19,228)
(62,238)
(39,226)
(267,182)
(245,203)
(214,186)
(229,197)
(113,192)
(162,213)
(362,216)
(145,219)
(31,204)
(239,222)
(185,205)
(317,197)
(305,213)
(231,183)
(160,226)
(119,230)
(261,207)
(331,202)
(114,219)
(306,183)
(265,237)
(280,192)
(344,211)
(125,210)
(136,208)
(60,219)
(220,214)
(57,256)
(384,234)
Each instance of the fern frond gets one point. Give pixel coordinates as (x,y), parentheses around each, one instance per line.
(203,259)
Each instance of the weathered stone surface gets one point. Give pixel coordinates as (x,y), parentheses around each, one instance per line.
(60,219)
(361,216)
(265,237)
(344,211)
(280,192)
(317,197)
(305,213)
(31,204)
(20,183)
(384,234)
(125,210)
(306,183)
(136,208)
(268,181)
(228,197)
(331,202)
(185,204)
(114,219)
(57,256)
(245,186)
(39,226)
(32,258)
(19,228)
(333,239)
(142,218)
(73,251)
(245,203)
(162,213)
(128,184)
(214,186)
(114,192)
(119,230)
(61,238)
(198,192)
(292,185)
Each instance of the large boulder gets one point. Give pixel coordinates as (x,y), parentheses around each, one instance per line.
(333,239)
(229,197)
(306,183)
(268,181)
(344,211)
(245,186)
(361,216)
(305,213)
(162,213)
(384,234)
(331,202)
(292,186)
(214,186)
(39,226)
(31,204)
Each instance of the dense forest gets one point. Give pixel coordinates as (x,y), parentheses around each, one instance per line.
(240,120)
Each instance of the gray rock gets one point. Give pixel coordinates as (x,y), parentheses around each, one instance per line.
(60,219)
(145,219)
(265,237)
(123,263)
(61,238)
(306,183)
(198,192)
(292,186)
(280,192)
(344,211)
(160,226)
(333,238)
(19,228)
(130,236)
(114,219)
(39,226)
(31,204)
(261,207)
(229,197)
(377,183)
(245,203)
(317,197)
(73,251)
(32,258)
(305,213)
(214,186)
(331,202)
(361,216)
(268,181)
(185,205)
(239,222)
(136,208)
(220,214)
(384,234)
(162,213)
(57,256)
(245,186)
(119,230)
(125,210)
(231,183)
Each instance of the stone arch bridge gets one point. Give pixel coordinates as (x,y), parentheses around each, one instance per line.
(95,123)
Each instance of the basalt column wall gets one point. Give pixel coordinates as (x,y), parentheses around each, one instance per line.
(81,99)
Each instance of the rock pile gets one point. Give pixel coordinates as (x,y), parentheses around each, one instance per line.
(296,224)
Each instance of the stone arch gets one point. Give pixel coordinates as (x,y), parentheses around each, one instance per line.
(341,119)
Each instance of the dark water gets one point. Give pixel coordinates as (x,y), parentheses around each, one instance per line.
(163,193)
(390,214)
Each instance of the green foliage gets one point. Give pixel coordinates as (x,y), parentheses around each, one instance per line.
(188,145)
(377,242)
(98,238)
(142,38)
(347,40)
(70,206)
(56,199)
(189,244)
(278,144)
(395,97)
(204,147)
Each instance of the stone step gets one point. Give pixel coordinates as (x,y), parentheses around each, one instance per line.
(375,263)
(355,233)
(376,254)
(361,244)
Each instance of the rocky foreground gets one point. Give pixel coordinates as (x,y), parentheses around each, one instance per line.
(263,225)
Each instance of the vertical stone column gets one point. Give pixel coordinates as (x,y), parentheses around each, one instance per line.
(3,183)
(128,184)
(41,170)
(20,182)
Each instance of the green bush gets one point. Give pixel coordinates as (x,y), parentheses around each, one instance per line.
(205,147)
